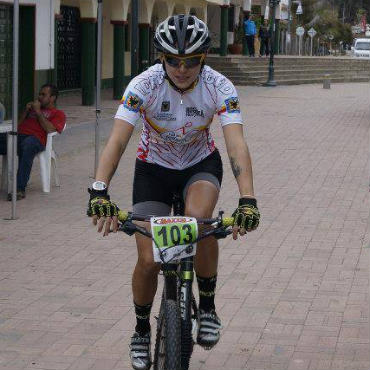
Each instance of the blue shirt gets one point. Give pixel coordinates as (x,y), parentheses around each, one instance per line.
(249,28)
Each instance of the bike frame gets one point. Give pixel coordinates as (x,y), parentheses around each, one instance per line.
(179,275)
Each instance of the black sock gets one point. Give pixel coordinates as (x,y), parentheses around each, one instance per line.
(207,287)
(142,318)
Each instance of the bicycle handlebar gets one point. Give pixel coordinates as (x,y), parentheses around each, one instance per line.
(222,221)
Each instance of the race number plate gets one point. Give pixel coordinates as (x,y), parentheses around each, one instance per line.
(173,237)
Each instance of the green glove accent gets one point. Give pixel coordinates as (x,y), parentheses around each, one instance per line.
(100,204)
(247,216)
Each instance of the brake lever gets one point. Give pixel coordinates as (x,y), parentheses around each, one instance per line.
(128,227)
(221,233)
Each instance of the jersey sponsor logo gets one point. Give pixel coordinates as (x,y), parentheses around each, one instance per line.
(172,220)
(176,137)
(194,112)
(165,106)
(232,105)
(183,135)
(133,102)
(164,116)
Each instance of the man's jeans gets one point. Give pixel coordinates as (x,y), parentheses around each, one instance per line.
(28,147)
(250,44)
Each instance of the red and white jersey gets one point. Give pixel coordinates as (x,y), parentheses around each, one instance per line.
(176,125)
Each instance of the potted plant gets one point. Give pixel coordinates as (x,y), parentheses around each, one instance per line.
(237,46)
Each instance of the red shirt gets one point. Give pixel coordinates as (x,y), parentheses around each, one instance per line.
(31,126)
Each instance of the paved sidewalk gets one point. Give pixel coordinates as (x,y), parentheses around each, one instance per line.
(293,295)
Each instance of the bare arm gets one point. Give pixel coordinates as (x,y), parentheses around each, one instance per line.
(45,124)
(240,159)
(25,113)
(116,145)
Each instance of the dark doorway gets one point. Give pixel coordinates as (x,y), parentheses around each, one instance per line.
(69,48)
(26,56)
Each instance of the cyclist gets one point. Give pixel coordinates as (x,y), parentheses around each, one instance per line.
(176,101)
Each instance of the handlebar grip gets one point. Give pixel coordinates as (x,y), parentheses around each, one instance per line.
(228,221)
(122,216)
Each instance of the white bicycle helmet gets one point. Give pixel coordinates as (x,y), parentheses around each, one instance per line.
(181,35)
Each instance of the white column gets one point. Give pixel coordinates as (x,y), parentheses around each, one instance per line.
(119,10)
(236,15)
(278,11)
(247,5)
(170,7)
(146,11)
(56,6)
(88,8)
(267,11)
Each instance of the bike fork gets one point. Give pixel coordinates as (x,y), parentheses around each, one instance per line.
(186,301)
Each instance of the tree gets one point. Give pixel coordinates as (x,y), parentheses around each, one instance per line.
(348,9)
(323,15)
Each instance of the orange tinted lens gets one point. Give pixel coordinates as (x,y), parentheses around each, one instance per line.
(189,62)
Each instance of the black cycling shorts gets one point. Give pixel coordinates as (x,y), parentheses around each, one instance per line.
(155,185)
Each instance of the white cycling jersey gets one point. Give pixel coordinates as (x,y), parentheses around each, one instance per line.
(176,125)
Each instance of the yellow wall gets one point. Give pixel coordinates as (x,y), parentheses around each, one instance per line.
(74,3)
(107,52)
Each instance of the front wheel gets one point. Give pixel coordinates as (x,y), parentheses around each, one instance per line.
(167,353)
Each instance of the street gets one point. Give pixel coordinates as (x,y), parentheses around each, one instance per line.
(292,295)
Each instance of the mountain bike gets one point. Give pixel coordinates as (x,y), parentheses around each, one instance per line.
(174,246)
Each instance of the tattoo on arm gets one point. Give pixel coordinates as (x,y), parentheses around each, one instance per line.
(235,167)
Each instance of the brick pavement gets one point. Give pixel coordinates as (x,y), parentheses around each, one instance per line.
(292,296)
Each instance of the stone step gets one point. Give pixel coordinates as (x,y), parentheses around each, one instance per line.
(245,70)
(298,81)
(257,75)
(320,80)
(223,65)
(251,72)
(288,60)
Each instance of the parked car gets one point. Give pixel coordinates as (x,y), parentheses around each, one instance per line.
(361,48)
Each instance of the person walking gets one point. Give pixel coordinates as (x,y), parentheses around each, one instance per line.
(250,32)
(264,36)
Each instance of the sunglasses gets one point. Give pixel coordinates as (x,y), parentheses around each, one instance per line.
(188,62)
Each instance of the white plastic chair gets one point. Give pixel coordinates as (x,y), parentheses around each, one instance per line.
(48,158)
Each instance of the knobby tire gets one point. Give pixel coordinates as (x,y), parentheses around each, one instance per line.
(187,343)
(167,353)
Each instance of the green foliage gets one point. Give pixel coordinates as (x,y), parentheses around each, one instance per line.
(326,19)
(309,10)
(258,22)
(239,33)
(329,24)
(359,14)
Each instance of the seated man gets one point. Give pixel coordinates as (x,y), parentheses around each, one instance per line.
(39,118)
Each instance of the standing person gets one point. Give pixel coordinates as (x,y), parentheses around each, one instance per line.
(38,119)
(250,32)
(264,36)
(176,101)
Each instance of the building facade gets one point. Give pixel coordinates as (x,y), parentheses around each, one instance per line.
(58,40)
